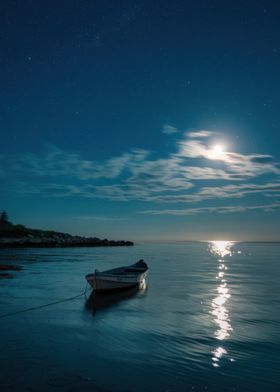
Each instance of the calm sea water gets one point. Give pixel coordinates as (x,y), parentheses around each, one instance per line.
(208,320)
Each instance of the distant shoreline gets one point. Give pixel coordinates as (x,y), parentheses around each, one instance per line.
(19,236)
(88,244)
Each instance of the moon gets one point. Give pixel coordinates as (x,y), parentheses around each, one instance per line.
(217,151)
(218,148)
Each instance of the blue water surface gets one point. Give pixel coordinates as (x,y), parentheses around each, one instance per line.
(207,320)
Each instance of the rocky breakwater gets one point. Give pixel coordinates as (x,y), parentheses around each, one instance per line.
(18,236)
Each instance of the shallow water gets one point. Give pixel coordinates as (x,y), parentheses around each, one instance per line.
(208,320)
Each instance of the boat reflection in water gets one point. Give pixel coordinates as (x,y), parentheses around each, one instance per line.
(221,249)
(102,301)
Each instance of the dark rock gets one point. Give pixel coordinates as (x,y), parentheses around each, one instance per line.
(18,236)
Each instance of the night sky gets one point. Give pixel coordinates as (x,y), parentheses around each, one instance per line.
(141,120)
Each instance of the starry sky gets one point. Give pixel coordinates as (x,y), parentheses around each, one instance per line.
(141,120)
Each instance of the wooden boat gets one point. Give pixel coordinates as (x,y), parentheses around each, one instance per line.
(119,278)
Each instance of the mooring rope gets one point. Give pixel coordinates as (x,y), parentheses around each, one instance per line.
(45,305)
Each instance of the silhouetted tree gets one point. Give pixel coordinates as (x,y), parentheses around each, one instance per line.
(4,217)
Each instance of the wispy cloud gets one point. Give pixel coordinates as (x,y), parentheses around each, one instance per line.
(200,134)
(219,210)
(240,165)
(236,191)
(195,172)
(169,129)
(101,218)
(58,163)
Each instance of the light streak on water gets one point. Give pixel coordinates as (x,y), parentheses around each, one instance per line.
(219,304)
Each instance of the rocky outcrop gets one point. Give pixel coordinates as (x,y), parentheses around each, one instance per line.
(18,236)
(51,242)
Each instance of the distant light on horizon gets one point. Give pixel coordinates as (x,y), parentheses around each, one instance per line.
(221,248)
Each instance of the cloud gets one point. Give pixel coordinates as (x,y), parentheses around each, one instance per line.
(169,129)
(235,191)
(58,163)
(101,218)
(234,164)
(215,193)
(200,134)
(193,173)
(217,210)
(262,159)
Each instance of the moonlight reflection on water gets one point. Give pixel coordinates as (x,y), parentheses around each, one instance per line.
(219,310)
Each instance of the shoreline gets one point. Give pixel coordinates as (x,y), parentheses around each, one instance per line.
(25,243)
(19,236)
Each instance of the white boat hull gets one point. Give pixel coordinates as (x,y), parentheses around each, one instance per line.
(116,279)
(104,283)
